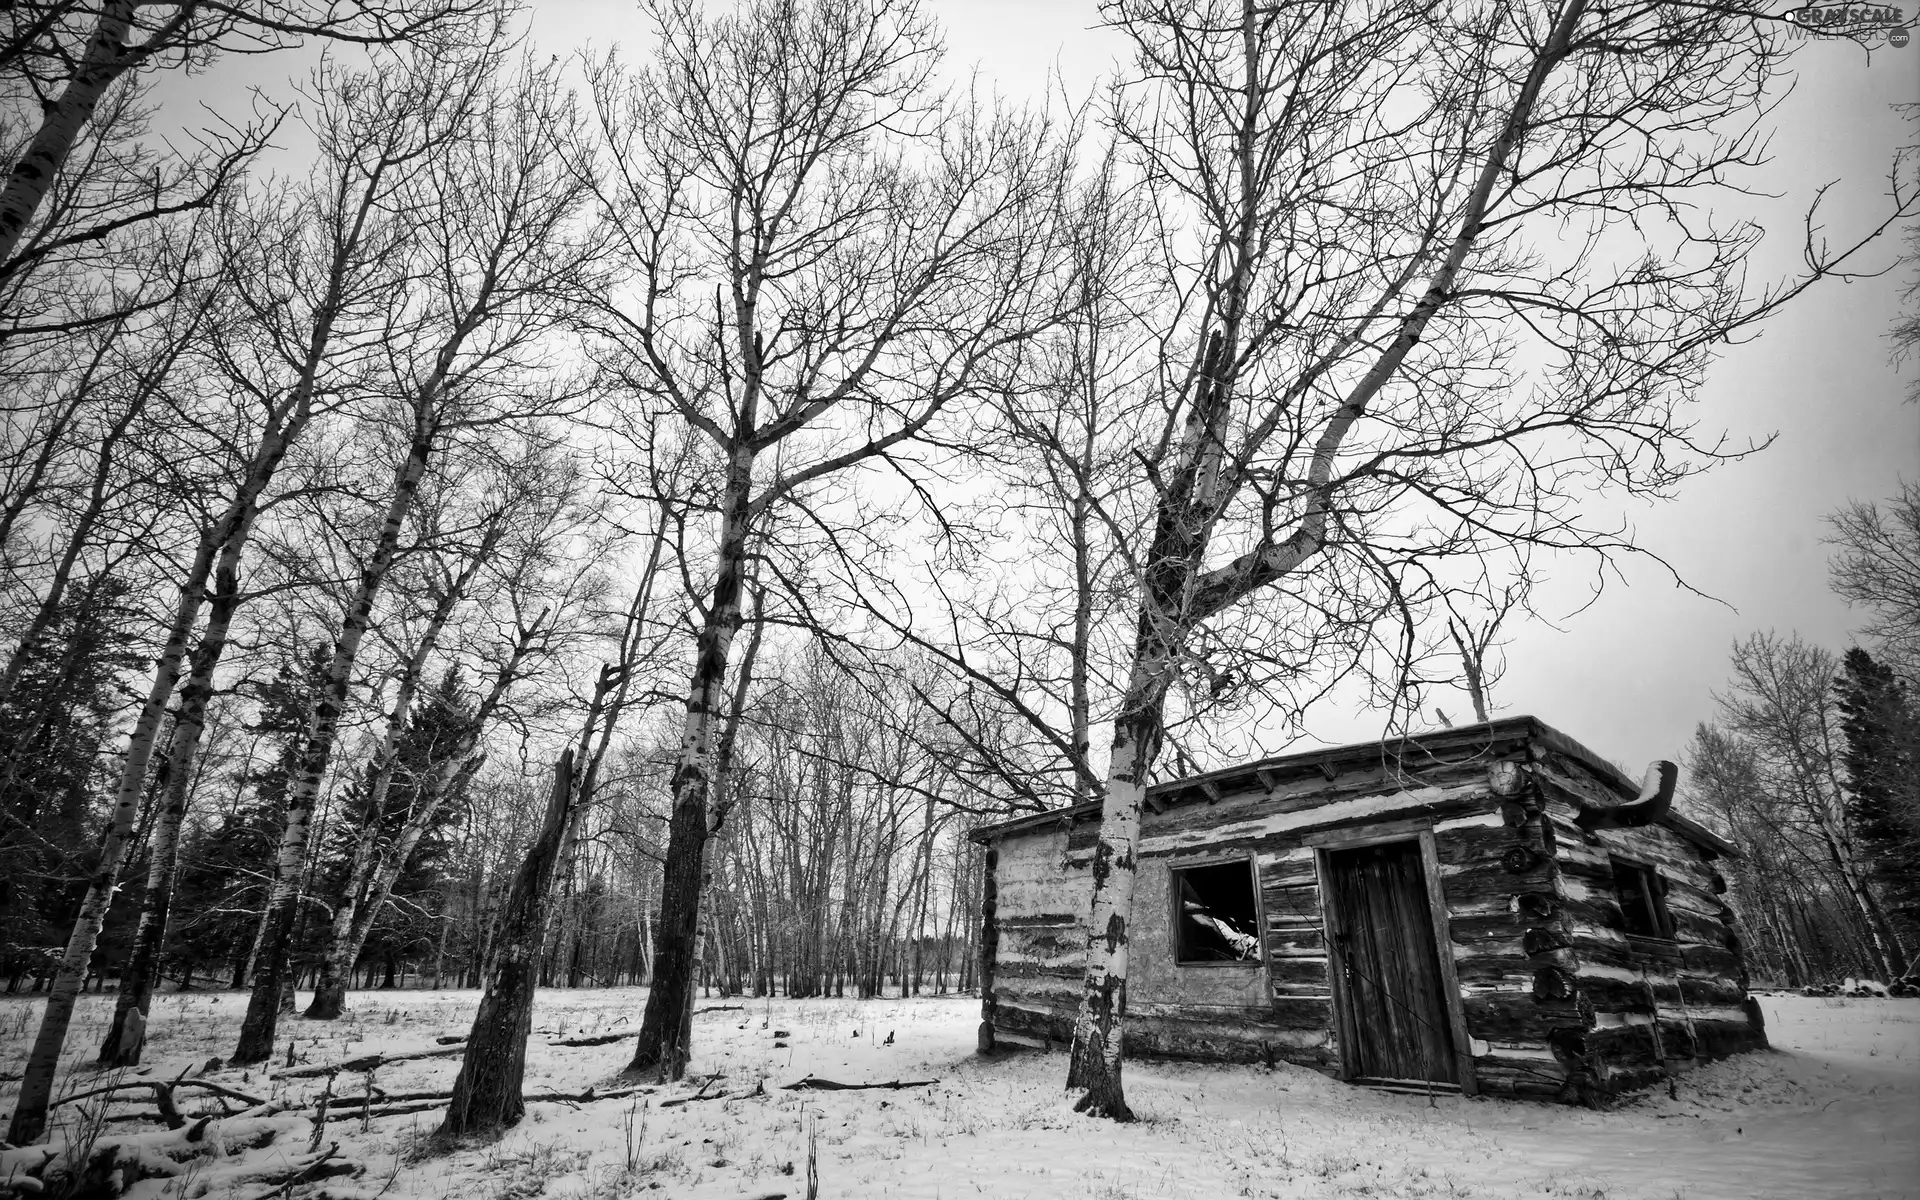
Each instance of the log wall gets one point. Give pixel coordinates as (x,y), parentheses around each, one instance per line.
(1278,1009)
(1557,1000)
(1042,891)
(1653,1007)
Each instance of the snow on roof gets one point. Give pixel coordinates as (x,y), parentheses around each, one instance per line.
(1400,754)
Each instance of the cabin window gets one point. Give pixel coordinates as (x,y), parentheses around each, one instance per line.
(1216,914)
(1642,896)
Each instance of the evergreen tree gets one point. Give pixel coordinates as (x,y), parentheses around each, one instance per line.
(1879,761)
(57,719)
(226,865)
(437,727)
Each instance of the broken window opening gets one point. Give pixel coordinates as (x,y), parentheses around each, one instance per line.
(1642,896)
(1216,914)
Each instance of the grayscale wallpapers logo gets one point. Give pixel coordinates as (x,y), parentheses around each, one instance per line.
(1868,24)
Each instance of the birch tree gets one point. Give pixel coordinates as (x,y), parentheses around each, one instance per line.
(94,466)
(494,255)
(511,510)
(487,1091)
(66,61)
(220,536)
(823,254)
(1437,270)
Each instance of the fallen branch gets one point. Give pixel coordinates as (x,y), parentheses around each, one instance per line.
(186,1118)
(402,1103)
(397,1110)
(163,1097)
(814,1083)
(221,1089)
(721,1008)
(379,1097)
(699,1095)
(367,1063)
(759,1089)
(590,1095)
(134,1086)
(601,1040)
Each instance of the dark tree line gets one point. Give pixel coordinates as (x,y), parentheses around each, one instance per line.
(1814,768)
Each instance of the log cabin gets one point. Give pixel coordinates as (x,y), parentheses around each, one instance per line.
(1492,909)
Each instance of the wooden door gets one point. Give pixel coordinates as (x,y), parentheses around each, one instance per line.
(1394,1013)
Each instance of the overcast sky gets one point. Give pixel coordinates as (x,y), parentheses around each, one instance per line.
(1631,675)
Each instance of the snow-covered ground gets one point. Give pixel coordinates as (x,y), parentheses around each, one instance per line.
(1833,1112)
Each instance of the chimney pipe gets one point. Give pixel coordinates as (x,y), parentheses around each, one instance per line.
(1653,802)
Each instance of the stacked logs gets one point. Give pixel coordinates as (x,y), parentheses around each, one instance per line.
(989,946)
(1547,941)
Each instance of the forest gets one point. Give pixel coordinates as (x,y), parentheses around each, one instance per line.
(492,518)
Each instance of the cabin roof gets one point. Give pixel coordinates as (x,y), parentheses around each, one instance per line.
(1404,752)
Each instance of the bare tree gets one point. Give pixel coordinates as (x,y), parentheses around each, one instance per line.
(1414,279)
(66,60)
(220,539)
(1876,566)
(1025,599)
(509,507)
(99,434)
(1782,703)
(487,1092)
(826,255)
(465,352)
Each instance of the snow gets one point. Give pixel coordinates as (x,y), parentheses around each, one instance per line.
(1833,1112)
(1333,813)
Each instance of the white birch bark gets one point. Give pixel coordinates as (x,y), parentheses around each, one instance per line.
(303,789)
(36,1087)
(177,772)
(1178,595)
(103,61)
(347,930)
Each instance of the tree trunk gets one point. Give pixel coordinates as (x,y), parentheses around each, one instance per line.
(1081,716)
(142,971)
(675,944)
(1095,1066)
(1873,935)
(1472,663)
(440,942)
(36,1085)
(243,971)
(353,920)
(105,58)
(486,1093)
(257,1030)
